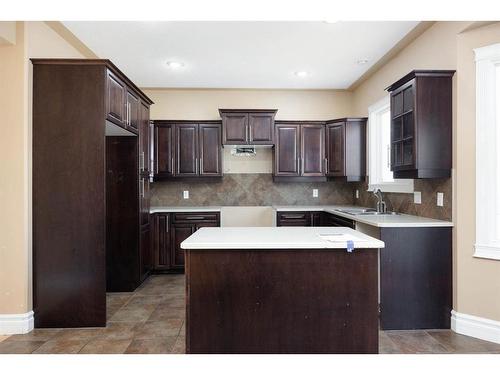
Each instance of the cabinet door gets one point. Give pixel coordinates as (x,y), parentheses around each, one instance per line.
(335,143)
(179,233)
(161,242)
(210,163)
(286,152)
(312,150)
(145,252)
(163,150)
(260,127)
(144,197)
(132,111)
(235,128)
(115,99)
(186,150)
(144,138)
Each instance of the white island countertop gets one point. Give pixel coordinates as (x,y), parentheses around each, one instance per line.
(399,220)
(279,238)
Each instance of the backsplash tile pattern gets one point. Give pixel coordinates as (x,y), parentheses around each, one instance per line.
(249,190)
(403,203)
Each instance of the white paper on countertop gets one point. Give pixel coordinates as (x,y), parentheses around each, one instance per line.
(340,237)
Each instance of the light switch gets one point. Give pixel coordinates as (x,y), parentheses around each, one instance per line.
(417,197)
(440,199)
(357,194)
(315,193)
(185,194)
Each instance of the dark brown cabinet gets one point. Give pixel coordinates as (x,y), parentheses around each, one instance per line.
(90,221)
(298,219)
(163,158)
(421,124)
(115,99)
(299,150)
(144,139)
(187,149)
(170,229)
(247,127)
(346,149)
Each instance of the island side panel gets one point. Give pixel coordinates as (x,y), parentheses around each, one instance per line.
(416,278)
(282,301)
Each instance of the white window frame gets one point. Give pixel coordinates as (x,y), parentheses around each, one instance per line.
(487,148)
(375,153)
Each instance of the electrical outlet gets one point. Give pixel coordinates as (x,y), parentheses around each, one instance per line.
(315,193)
(357,194)
(185,194)
(440,199)
(417,197)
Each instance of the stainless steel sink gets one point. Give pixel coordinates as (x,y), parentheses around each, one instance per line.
(364,211)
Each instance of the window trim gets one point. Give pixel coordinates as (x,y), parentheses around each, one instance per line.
(487,60)
(374,153)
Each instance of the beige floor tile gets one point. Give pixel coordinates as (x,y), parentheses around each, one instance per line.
(106,346)
(78,334)
(61,347)
(174,302)
(19,347)
(162,345)
(462,344)
(163,312)
(386,345)
(38,334)
(147,300)
(179,346)
(133,314)
(157,329)
(4,337)
(415,342)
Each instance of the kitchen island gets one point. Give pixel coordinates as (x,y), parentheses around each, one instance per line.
(281,290)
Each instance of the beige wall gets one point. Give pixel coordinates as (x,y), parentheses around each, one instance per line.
(33,39)
(448,45)
(478,282)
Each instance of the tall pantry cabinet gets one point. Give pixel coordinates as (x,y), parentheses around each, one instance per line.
(90,189)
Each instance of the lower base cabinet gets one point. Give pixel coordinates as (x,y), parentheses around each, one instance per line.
(170,230)
(311,219)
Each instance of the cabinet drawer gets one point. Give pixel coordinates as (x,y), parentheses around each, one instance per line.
(294,219)
(184,217)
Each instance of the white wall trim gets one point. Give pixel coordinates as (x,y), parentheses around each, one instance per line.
(13,324)
(487,252)
(475,326)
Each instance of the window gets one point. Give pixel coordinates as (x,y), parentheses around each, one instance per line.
(487,152)
(379,151)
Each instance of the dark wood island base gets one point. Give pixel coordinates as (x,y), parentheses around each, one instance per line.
(281,301)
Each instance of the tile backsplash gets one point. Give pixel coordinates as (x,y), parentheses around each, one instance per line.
(403,202)
(256,189)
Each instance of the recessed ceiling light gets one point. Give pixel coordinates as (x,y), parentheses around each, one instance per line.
(175,64)
(301,73)
(362,61)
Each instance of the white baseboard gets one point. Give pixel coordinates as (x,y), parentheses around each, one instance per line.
(13,324)
(475,326)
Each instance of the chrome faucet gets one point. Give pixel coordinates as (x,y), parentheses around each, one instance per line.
(381,206)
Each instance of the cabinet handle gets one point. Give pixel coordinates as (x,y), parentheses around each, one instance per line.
(302,165)
(200,164)
(172,164)
(326,165)
(141,161)
(142,187)
(389,156)
(195,217)
(196,165)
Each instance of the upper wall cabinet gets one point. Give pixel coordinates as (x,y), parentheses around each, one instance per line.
(187,149)
(300,151)
(247,127)
(346,149)
(421,124)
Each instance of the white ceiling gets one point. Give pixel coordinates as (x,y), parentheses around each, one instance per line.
(242,54)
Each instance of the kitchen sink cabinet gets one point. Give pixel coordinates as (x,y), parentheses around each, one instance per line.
(421,124)
(187,149)
(170,229)
(346,149)
(247,127)
(299,153)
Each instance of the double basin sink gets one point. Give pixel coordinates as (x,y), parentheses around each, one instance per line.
(364,211)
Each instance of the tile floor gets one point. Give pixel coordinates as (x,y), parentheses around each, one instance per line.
(151,320)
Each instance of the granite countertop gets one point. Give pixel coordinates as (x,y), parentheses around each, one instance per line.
(155,209)
(400,220)
(279,238)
